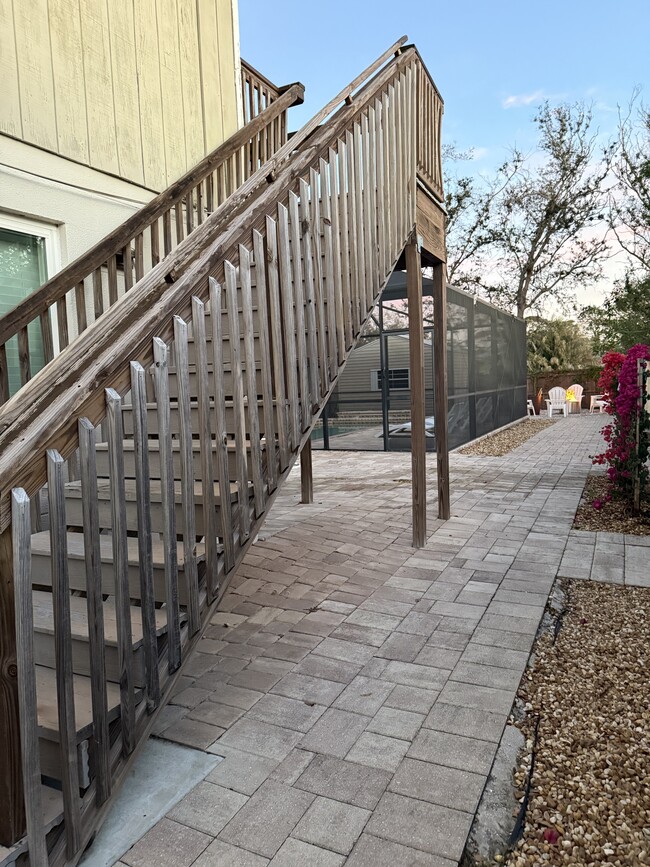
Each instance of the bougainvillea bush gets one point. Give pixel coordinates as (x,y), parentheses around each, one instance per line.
(623,458)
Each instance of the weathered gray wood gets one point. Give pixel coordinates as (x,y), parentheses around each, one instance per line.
(316,183)
(359,238)
(311,325)
(95,608)
(298,295)
(111,267)
(220,428)
(386,169)
(367,214)
(401,192)
(441,392)
(143,507)
(187,472)
(375,278)
(306,474)
(343,321)
(344,232)
(80,305)
(24,361)
(393,174)
(251,379)
(289,324)
(416,362)
(267,370)
(121,567)
(29,754)
(205,438)
(161,364)
(327,274)
(350,243)
(238,399)
(277,348)
(381,216)
(63,649)
(46,334)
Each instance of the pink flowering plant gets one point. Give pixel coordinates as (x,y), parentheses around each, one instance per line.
(623,458)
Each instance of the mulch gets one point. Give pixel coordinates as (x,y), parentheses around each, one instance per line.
(613,517)
(587,730)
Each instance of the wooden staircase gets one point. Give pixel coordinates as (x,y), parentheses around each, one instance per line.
(139,464)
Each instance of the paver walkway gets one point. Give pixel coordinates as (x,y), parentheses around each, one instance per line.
(357,688)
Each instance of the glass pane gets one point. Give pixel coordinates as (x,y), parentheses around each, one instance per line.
(23,268)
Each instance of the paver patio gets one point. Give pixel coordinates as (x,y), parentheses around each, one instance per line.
(358,688)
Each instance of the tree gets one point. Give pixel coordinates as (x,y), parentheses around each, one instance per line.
(547,220)
(538,223)
(623,320)
(629,211)
(557,344)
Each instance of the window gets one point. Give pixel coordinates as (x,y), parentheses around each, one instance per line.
(28,255)
(398,378)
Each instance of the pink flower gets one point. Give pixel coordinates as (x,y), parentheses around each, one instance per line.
(597,504)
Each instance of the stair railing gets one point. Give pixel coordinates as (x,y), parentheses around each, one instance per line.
(81,291)
(246,345)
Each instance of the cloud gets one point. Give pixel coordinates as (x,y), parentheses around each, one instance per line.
(479,153)
(521,99)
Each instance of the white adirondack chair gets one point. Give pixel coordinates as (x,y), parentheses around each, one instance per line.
(577,391)
(556,400)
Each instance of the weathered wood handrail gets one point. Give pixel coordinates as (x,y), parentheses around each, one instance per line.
(257,91)
(144,238)
(429,153)
(262,304)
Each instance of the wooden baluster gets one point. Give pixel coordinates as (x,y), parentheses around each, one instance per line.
(127,258)
(372,185)
(367,215)
(238,400)
(317,185)
(121,569)
(381,217)
(275,317)
(145,554)
(245,295)
(310,298)
(344,243)
(327,277)
(209,193)
(289,324)
(161,380)
(4,375)
(351,240)
(220,432)
(299,298)
(221,184)
(46,334)
(26,679)
(199,203)
(205,440)
(265,354)
(154,238)
(80,304)
(167,232)
(98,292)
(95,608)
(178,212)
(189,212)
(24,361)
(340,311)
(62,322)
(386,203)
(392,163)
(187,474)
(359,180)
(139,257)
(401,161)
(63,651)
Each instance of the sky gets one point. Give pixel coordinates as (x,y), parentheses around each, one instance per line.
(494,62)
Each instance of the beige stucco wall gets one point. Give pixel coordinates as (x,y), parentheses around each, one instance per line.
(140,89)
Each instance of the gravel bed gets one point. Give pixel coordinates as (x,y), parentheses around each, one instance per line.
(613,517)
(498,444)
(590,789)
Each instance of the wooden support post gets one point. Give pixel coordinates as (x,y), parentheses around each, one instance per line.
(12,808)
(441,387)
(416,362)
(306,475)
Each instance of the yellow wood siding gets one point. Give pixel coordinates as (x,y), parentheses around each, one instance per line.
(141,89)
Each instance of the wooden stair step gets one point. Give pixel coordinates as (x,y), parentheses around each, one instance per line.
(48,720)
(42,576)
(44,650)
(154,459)
(225,375)
(152,417)
(74,505)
